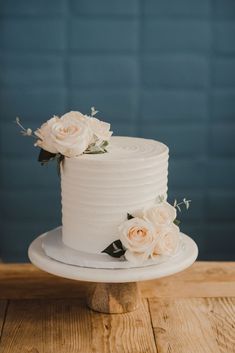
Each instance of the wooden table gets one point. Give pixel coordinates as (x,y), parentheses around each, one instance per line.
(191,312)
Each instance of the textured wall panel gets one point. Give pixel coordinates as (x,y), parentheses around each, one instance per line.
(104,35)
(32,34)
(160,69)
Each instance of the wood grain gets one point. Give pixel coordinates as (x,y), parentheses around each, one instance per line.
(114,298)
(25,281)
(183,313)
(62,326)
(3,308)
(195,325)
(221,313)
(203,279)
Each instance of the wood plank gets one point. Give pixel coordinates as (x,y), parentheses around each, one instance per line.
(25,281)
(221,313)
(62,326)
(195,325)
(3,308)
(203,279)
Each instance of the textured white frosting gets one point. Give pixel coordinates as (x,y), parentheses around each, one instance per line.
(99,190)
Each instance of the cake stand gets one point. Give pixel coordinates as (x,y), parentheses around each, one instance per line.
(114,290)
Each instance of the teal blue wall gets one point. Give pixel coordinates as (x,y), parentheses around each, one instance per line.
(156,68)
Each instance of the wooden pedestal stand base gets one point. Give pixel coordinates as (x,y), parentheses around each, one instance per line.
(109,297)
(114,298)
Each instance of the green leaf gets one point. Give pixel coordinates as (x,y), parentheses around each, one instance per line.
(59,160)
(104,144)
(161,198)
(94,152)
(115,249)
(129,216)
(45,156)
(176,222)
(97,149)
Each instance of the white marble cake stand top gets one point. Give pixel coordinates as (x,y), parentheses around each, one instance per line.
(55,248)
(178,263)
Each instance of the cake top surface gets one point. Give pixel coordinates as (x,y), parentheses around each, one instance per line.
(129,148)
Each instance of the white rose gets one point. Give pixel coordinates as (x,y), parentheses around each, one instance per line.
(70,134)
(167,240)
(160,213)
(136,258)
(74,116)
(45,138)
(138,238)
(100,129)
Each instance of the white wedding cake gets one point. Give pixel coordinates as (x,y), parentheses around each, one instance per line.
(114,191)
(98,190)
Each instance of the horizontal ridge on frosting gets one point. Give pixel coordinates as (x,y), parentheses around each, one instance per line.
(99,190)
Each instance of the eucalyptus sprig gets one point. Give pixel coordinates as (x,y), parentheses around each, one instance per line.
(97,148)
(24,131)
(177,205)
(185,202)
(94,111)
(160,198)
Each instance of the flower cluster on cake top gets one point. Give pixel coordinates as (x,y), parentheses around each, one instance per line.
(70,135)
(149,233)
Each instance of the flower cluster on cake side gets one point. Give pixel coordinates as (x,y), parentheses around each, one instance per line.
(149,233)
(70,135)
